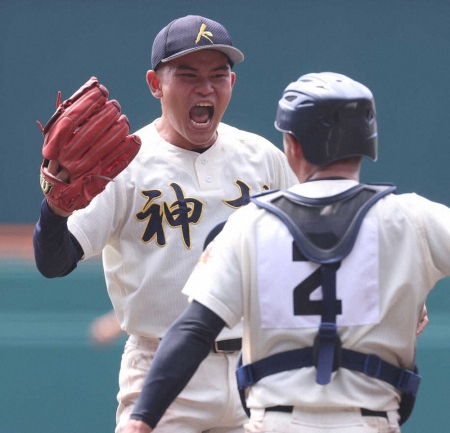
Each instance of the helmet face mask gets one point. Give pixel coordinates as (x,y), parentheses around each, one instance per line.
(331,116)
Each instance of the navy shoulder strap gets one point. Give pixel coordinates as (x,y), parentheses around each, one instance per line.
(324,229)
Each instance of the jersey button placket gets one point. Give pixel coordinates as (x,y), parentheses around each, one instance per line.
(204,161)
(206,173)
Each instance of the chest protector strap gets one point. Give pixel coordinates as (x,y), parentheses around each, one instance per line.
(324,232)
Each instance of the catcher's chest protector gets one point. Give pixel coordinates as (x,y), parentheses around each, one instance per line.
(324,232)
(324,229)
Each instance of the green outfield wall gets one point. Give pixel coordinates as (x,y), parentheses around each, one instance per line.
(399,48)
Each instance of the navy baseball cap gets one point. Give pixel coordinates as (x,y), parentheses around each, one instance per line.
(192,33)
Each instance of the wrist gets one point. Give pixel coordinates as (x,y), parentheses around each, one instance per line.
(57,210)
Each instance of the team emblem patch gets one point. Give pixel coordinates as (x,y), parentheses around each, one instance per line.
(204,258)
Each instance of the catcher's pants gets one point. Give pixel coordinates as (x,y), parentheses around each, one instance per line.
(314,420)
(209,403)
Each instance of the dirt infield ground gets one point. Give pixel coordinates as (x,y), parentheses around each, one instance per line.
(16,241)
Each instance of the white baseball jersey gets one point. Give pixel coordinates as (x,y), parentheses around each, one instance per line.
(402,250)
(151,222)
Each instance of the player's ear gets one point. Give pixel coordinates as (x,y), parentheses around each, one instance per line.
(233,78)
(292,147)
(154,83)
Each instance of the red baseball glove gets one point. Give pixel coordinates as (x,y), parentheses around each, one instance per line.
(89,140)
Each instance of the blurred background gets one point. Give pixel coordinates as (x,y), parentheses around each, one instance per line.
(52,377)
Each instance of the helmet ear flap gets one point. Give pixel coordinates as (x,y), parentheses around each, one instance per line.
(331,115)
(336,117)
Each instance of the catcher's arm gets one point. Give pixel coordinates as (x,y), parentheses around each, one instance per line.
(190,338)
(86,145)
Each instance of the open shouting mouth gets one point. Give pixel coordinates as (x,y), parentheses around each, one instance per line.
(201,114)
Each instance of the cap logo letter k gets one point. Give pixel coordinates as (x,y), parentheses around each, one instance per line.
(203,34)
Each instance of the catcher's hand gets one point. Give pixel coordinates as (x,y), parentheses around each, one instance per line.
(423,323)
(135,426)
(86,145)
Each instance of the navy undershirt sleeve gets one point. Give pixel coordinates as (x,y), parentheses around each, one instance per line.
(56,251)
(187,342)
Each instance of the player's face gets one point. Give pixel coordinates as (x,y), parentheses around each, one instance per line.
(195,90)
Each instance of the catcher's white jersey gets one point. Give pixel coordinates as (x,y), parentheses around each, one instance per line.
(151,222)
(402,250)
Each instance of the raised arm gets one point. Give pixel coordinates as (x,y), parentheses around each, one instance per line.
(56,251)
